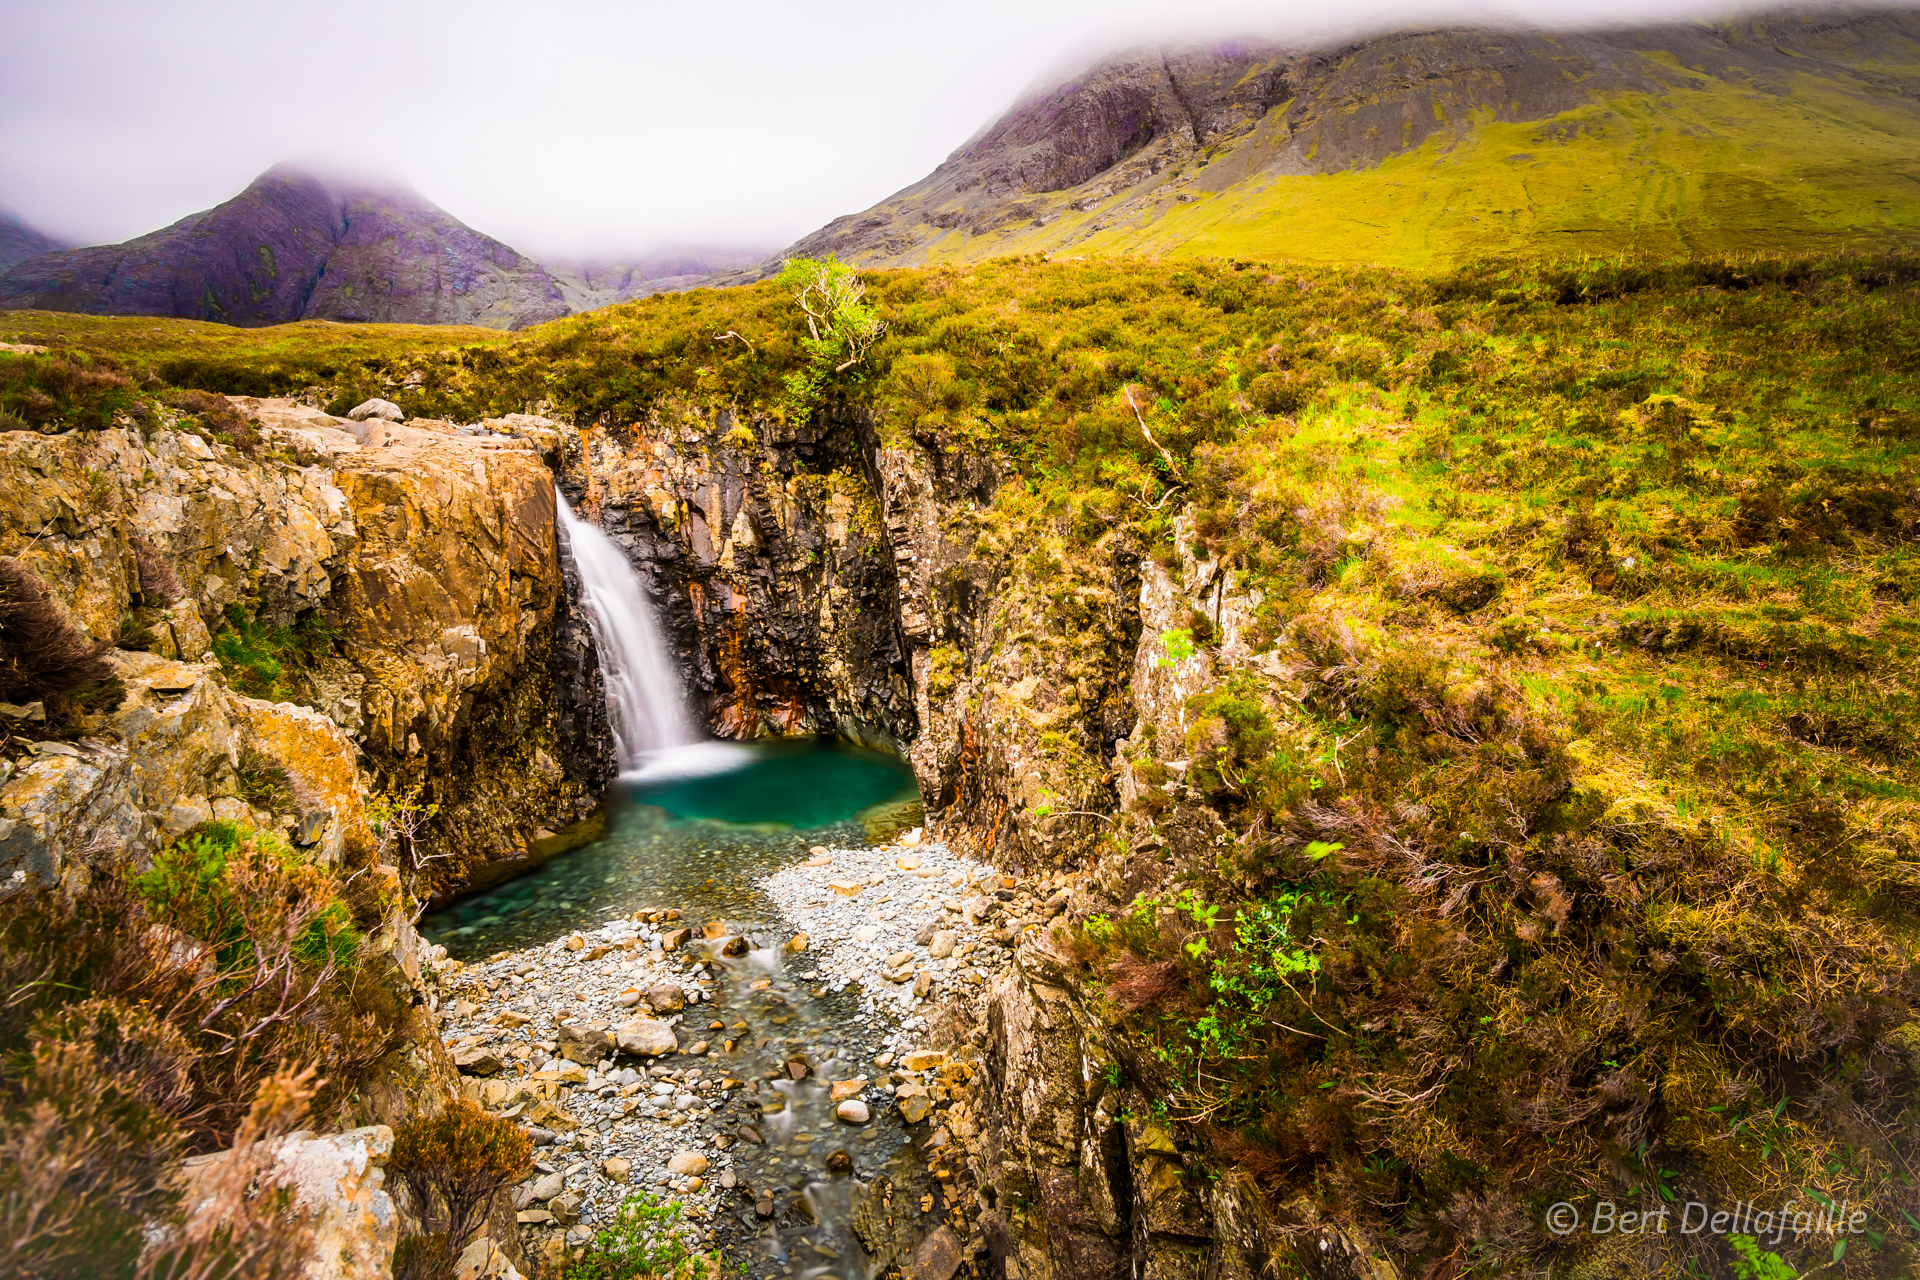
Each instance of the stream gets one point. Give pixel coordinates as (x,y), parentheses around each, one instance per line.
(696,829)
(659,1022)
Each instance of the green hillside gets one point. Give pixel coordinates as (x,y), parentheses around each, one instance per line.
(1569,766)
(1797,133)
(1711,170)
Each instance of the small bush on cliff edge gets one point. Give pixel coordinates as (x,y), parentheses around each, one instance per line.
(265,660)
(44,657)
(453,1164)
(221,420)
(58,392)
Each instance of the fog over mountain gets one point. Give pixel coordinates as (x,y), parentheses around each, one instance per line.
(585,130)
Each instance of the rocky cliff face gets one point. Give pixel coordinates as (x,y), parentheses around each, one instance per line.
(293,246)
(1123,157)
(816,580)
(430,555)
(764,549)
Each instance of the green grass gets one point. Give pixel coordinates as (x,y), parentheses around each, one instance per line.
(265,660)
(1588,589)
(277,360)
(1714,168)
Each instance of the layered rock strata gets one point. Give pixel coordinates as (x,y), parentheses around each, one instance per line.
(428,556)
(764,551)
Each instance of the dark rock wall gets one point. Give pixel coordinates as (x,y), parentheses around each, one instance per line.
(769,567)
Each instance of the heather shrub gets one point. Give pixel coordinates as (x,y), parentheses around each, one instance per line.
(221,420)
(454,1163)
(60,392)
(43,656)
(194,1025)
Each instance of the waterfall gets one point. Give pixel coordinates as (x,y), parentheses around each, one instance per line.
(643,692)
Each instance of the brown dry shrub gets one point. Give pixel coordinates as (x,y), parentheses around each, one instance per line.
(243,1220)
(222,419)
(158,585)
(454,1163)
(1143,984)
(43,657)
(191,1036)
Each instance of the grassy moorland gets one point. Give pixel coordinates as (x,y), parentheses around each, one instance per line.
(271,361)
(1572,845)
(1706,169)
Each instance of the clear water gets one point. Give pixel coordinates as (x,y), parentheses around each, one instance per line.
(693,829)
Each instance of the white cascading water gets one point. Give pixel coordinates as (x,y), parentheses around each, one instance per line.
(644,701)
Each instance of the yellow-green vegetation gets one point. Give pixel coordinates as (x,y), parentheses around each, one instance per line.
(271,361)
(453,1164)
(1707,169)
(166,1013)
(1550,832)
(644,1242)
(264,660)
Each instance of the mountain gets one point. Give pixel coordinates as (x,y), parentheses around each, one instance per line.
(1785,131)
(295,246)
(18,241)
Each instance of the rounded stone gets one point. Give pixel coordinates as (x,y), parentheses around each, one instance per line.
(853,1111)
(687,1164)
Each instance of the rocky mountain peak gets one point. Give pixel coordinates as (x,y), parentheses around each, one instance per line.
(295,245)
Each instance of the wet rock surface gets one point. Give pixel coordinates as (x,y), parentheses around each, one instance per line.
(763,547)
(795,1104)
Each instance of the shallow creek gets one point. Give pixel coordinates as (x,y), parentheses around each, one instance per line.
(763,1036)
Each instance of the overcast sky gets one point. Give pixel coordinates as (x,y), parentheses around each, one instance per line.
(569,127)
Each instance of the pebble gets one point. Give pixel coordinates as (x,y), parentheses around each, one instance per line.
(898,940)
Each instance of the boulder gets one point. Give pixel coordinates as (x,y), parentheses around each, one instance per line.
(844,1089)
(478,1060)
(914,1110)
(485,1260)
(924,1060)
(941,945)
(377,408)
(666,997)
(646,1037)
(686,1164)
(616,1168)
(584,1045)
(546,1188)
(938,1256)
(853,1111)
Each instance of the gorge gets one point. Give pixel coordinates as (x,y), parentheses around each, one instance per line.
(1235,767)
